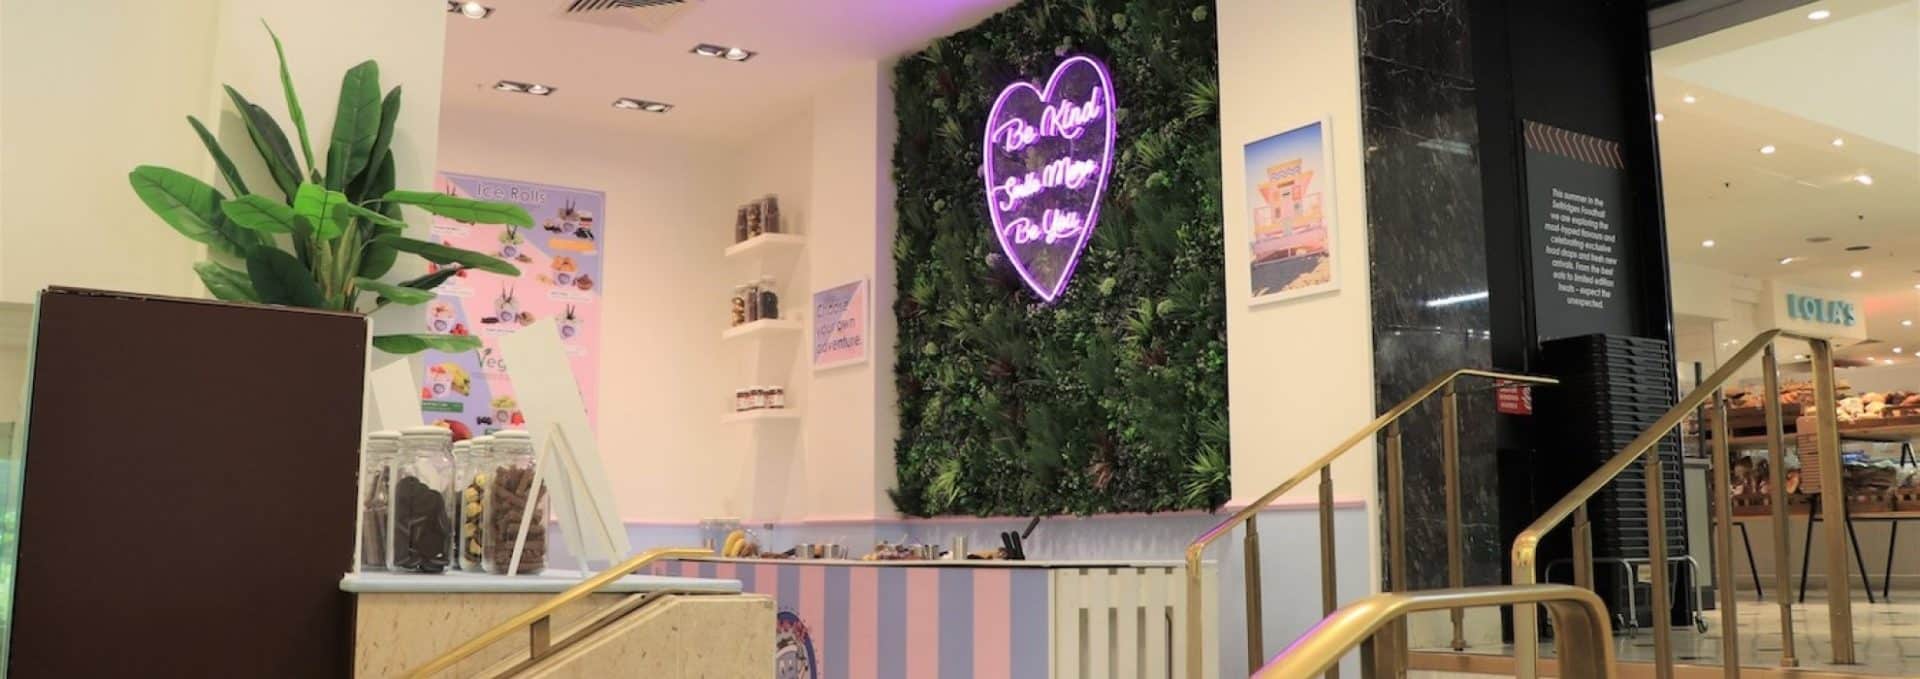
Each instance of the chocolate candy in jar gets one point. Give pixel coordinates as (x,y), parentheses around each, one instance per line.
(770,214)
(739,305)
(512,500)
(753,301)
(376,497)
(755,226)
(740,224)
(769,302)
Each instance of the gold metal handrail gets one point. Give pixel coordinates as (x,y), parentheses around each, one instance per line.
(1396,537)
(1583,635)
(539,619)
(1525,553)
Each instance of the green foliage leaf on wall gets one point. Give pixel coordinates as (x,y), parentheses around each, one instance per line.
(1113,399)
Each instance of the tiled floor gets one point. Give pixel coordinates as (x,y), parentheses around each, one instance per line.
(1886,637)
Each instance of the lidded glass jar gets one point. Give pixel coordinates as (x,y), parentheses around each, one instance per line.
(471,476)
(376,497)
(421,523)
(511,495)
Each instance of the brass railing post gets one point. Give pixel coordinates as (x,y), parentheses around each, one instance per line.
(1833,498)
(1329,578)
(1256,653)
(539,638)
(1582,549)
(1392,660)
(1657,558)
(1776,457)
(1450,469)
(1197,647)
(1723,536)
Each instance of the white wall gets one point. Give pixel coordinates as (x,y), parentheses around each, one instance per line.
(852,419)
(1299,373)
(664,307)
(88,90)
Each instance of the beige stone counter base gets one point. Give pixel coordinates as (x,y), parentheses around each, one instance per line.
(707,635)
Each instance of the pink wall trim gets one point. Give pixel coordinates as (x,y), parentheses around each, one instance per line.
(1281,505)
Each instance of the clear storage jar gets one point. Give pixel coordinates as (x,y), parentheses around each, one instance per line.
(471,477)
(511,495)
(376,497)
(420,532)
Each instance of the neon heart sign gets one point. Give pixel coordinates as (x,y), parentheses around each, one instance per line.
(1047,154)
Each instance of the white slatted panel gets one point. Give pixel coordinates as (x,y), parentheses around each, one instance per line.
(1098,612)
(1157,636)
(1210,612)
(1069,641)
(1125,594)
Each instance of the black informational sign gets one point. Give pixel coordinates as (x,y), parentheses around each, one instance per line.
(1579,234)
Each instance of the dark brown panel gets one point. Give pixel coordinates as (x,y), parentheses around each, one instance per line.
(188,504)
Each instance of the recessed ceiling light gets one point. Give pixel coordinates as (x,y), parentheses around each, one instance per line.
(631,104)
(1819,15)
(1786,260)
(523,88)
(1859,248)
(1839,142)
(1819,239)
(1706,243)
(1899,350)
(469,9)
(723,52)
(1659,117)
(1864,179)
(1856,273)
(1688,99)
(1767,150)
(1887,362)
(1907,323)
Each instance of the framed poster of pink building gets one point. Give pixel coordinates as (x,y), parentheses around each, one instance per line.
(1291,226)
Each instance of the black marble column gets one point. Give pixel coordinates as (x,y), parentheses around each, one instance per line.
(1427,241)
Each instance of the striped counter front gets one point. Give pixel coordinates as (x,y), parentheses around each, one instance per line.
(963,619)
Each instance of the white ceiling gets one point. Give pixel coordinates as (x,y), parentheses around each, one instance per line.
(1798,84)
(592,59)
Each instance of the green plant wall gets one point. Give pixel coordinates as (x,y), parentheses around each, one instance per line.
(1114,398)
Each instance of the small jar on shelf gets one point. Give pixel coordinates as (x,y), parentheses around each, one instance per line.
(420,526)
(770,214)
(777,397)
(512,496)
(769,301)
(751,291)
(473,475)
(376,497)
(739,305)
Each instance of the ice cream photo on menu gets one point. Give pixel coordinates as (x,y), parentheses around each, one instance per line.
(563,270)
(440,316)
(569,324)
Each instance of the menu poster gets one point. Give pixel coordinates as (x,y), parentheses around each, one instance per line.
(1580,234)
(561,263)
(840,325)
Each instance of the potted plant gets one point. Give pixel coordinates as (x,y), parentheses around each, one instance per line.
(323,235)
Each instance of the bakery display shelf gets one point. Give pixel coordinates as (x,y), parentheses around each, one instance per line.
(763,415)
(766,327)
(766,244)
(1881,430)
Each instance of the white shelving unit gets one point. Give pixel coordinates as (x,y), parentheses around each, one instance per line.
(765,328)
(767,245)
(764,415)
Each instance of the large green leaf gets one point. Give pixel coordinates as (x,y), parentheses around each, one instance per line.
(225,283)
(413,344)
(432,280)
(293,100)
(278,278)
(395,293)
(371,216)
(302,238)
(463,209)
(259,213)
(322,208)
(189,206)
(380,159)
(377,259)
(356,124)
(270,141)
(441,254)
(220,159)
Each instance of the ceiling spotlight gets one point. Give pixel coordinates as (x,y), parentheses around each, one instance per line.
(1898,350)
(1706,243)
(1864,179)
(1786,260)
(723,52)
(469,9)
(1887,362)
(631,104)
(1908,323)
(1856,273)
(507,86)
(523,88)
(1819,15)
(539,89)
(1687,99)
(1659,117)
(1819,239)
(1839,142)
(1767,150)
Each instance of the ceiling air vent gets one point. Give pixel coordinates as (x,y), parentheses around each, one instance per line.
(639,15)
